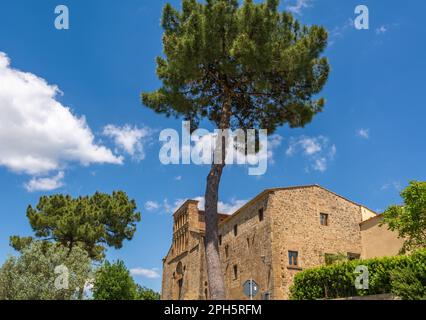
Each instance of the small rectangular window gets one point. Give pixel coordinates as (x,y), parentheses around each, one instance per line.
(236,230)
(261,215)
(220,239)
(293,257)
(227,251)
(235,272)
(353,256)
(324,219)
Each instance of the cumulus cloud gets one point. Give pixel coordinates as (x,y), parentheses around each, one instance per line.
(223,207)
(317,150)
(146,273)
(208,142)
(152,205)
(38,134)
(381,30)
(363,133)
(128,139)
(45,184)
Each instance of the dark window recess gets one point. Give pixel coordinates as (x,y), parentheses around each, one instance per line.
(293,258)
(324,219)
(226,251)
(180,285)
(261,215)
(353,256)
(266,296)
(248,242)
(236,230)
(220,240)
(235,272)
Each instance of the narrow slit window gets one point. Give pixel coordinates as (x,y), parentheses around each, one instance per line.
(324,219)
(261,215)
(293,258)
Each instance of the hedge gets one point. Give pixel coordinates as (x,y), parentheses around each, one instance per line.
(338,280)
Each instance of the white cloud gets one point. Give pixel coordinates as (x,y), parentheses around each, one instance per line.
(320,164)
(168,208)
(152,205)
(208,142)
(129,139)
(298,6)
(230,207)
(45,184)
(38,134)
(381,30)
(222,207)
(364,133)
(396,185)
(308,145)
(146,273)
(317,150)
(178,178)
(339,32)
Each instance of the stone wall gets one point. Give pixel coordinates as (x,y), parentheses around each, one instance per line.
(296,227)
(259,248)
(249,251)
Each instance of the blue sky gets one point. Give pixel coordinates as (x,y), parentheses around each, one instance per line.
(366,145)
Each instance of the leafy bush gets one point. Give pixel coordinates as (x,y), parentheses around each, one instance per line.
(33,274)
(410,283)
(144,293)
(386,275)
(114,282)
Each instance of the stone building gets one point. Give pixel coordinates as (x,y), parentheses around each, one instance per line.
(271,238)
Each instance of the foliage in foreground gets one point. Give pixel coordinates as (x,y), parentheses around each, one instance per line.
(409,220)
(143,293)
(404,276)
(31,276)
(114,282)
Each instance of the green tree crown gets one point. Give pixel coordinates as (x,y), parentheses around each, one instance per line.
(87,222)
(262,63)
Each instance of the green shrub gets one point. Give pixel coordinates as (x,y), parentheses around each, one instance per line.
(386,275)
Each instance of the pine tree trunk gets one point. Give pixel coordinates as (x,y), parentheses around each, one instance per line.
(214,266)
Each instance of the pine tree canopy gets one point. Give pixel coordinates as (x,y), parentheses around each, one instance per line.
(260,62)
(86,222)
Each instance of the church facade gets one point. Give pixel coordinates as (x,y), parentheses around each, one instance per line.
(274,236)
